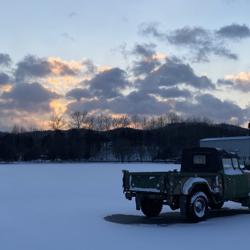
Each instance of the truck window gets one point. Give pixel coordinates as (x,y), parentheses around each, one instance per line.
(227,163)
(199,159)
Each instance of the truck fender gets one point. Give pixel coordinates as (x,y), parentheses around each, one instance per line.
(191,182)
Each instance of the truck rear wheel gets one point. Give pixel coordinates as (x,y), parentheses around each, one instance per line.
(196,206)
(151,207)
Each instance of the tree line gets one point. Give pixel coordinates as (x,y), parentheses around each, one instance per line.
(80,143)
(105,122)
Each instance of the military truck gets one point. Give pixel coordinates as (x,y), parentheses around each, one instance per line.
(208,177)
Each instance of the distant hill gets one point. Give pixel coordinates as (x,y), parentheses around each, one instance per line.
(124,144)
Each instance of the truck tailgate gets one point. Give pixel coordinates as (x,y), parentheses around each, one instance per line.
(144,182)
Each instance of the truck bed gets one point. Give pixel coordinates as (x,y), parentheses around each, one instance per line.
(160,182)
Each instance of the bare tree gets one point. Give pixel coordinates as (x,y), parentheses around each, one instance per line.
(144,123)
(107,122)
(90,122)
(57,122)
(161,121)
(18,129)
(121,122)
(136,122)
(78,119)
(173,118)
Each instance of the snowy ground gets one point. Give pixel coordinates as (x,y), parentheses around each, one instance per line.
(81,206)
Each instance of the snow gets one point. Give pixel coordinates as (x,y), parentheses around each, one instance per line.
(81,207)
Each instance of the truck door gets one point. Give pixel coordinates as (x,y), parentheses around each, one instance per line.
(241,180)
(235,182)
(229,181)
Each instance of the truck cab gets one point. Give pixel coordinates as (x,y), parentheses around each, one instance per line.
(218,161)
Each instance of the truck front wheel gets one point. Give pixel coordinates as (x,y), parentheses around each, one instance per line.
(151,207)
(197,206)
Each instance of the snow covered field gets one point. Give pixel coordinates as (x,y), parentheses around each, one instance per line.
(81,207)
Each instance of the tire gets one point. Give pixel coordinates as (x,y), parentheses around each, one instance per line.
(216,205)
(151,207)
(197,206)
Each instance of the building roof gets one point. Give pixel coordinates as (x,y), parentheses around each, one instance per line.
(227,138)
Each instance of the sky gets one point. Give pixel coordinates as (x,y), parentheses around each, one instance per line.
(129,57)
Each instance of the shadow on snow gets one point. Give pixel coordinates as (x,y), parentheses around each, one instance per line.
(169,218)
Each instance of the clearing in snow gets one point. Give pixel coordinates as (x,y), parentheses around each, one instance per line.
(81,206)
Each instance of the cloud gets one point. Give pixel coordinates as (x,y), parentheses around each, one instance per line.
(59,67)
(209,106)
(225,82)
(172,73)
(136,102)
(67,36)
(108,83)
(146,50)
(91,68)
(239,81)
(79,93)
(34,67)
(4,79)
(32,97)
(200,42)
(234,31)
(5,60)
(152,28)
(173,92)
(147,60)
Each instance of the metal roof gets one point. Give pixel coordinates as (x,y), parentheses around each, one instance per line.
(227,138)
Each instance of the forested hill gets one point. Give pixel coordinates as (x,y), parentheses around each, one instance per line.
(124,144)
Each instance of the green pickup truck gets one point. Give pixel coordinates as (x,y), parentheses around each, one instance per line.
(208,177)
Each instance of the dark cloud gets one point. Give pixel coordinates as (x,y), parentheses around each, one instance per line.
(173,92)
(61,68)
(237,84)
(144,67)
(195,36)
(146,50)
(29,97)
(174,72)
(146,61)
(136,102)
(146,29)
(109,83)
(35,67)
(5,60)
(139,103)
(4,78)
(234,31)
(90,66)
(32,66)
(225,82)
(78,93)
(243,86)
(209,106)
(202,43)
